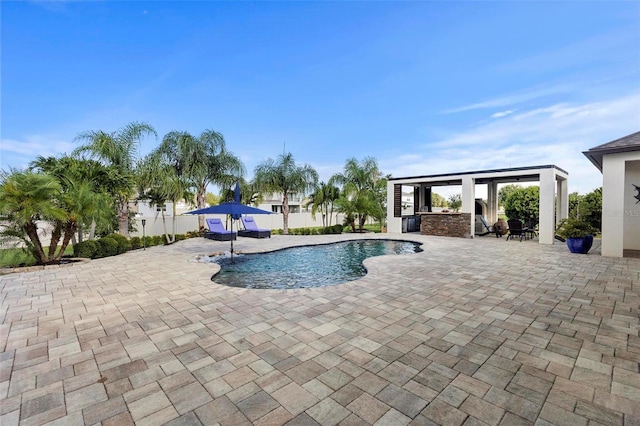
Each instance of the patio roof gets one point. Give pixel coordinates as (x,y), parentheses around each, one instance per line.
(513,174)
(624,144)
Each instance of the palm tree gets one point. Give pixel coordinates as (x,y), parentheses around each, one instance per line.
(26,197)
(201,161)
(118,149)
(285,177)
(70,172)
(158,183)
(361,183)
(323,199)
(82,204)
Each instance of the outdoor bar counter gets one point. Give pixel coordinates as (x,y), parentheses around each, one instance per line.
(445,224)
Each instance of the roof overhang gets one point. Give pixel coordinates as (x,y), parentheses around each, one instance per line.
(629,143)
(510,175)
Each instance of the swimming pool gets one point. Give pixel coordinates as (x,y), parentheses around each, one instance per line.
(306,266)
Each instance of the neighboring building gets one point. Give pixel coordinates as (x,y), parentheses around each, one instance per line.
(274,203)
(619,162)
(143,208)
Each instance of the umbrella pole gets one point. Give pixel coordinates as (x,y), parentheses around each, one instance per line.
(231,240)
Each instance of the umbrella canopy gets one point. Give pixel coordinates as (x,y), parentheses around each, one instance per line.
(231,208)
(234,209)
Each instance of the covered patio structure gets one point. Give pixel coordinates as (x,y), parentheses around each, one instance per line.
(554,199)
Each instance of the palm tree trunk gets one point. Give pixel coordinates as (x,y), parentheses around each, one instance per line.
(80,233)
(92,231)
(285,213)
(200,203)
(123,218)
(55,239)
(164,226)
(69,231)
(31,230)
(174,223)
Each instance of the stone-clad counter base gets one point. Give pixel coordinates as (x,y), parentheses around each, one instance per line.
(446,224)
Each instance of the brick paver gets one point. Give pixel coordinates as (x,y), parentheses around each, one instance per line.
(479,331)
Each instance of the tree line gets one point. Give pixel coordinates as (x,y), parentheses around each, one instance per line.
(90,191)
(523,203)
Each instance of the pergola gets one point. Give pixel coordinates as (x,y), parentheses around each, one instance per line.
(554,197)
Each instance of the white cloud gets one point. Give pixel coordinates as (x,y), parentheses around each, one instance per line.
(554,134)
(502,113)
(18,153)
(514,98)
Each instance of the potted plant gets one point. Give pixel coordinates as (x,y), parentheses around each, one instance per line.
(578,233)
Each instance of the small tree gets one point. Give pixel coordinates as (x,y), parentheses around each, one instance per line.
(438,200)
(523,204)
(505,192)
(455,202)
(587,207)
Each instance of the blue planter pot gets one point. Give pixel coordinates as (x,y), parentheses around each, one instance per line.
(580,245)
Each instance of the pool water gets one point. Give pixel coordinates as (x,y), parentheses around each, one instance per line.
(307,266)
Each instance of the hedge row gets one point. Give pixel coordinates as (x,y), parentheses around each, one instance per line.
(115,244)
(335,229)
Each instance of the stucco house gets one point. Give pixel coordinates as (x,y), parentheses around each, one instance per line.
(619,162)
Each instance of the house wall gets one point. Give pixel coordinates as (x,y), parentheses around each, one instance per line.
(619,211)
(631,206)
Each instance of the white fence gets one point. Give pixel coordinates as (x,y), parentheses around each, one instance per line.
(186,223)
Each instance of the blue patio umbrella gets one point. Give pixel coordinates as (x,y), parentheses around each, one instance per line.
(232,208)
(236,198)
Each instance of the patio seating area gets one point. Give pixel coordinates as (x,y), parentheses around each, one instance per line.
(452,335)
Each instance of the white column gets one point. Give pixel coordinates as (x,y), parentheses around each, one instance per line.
(469,201)
(546,227)
(613,171)
(562,200)
(394,224)
(492,202)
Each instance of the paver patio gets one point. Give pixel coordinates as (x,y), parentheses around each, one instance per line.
(479,331)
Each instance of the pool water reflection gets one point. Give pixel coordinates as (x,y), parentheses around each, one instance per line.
(307,266)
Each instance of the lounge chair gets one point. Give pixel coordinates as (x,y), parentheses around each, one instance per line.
(251,230)
(490,229)
(516,229)
(218,232)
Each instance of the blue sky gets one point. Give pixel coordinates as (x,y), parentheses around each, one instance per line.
(424,87)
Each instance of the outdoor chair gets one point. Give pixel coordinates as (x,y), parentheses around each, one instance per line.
(218,232)
(530,230)
(516,229)
(490,229)
(251,230)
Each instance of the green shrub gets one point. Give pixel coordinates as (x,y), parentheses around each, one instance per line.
(334,229)
(86,249)
(159,240)
(136,243)
(107,247)
(575,228)
(181,237)
(124,244)
(148,241)
(195,234)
